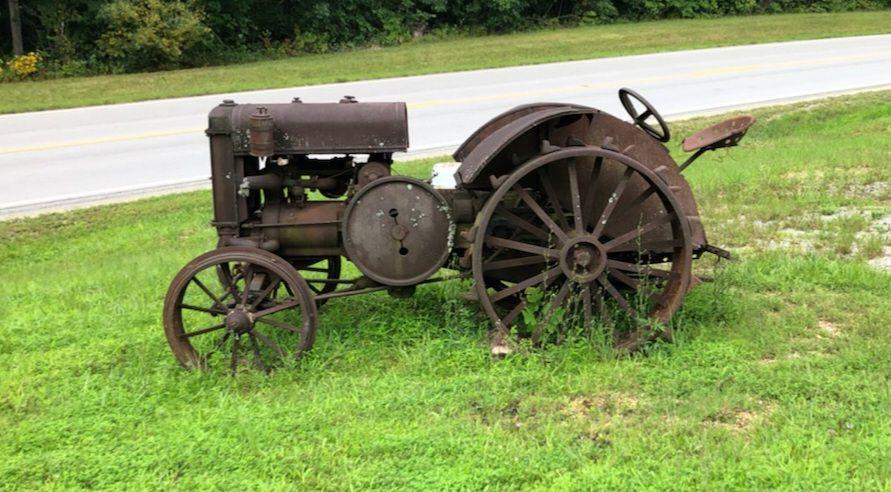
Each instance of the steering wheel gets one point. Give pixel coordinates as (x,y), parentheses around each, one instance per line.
(661,134)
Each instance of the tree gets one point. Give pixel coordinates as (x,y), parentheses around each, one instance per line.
(15,27)
(151,34)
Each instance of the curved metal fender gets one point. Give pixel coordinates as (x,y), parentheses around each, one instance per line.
(516,136)
(503,119)
(485,146)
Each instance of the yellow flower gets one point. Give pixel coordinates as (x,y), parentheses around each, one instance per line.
(24,65)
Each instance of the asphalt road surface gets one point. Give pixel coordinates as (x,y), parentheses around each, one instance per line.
(65,158)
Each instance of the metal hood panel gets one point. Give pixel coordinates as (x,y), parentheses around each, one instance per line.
(321,128)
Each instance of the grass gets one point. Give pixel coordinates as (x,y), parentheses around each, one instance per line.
(778,379)
(440,55)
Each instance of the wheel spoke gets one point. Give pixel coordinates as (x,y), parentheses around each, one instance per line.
(612,202)
(218,346)
(638,232)
(552,197)
(601,308)
(513,263)
(269,343)
(512,315)
(586,300)
(257,357)
(500,242)
(625,279)
(499,250)
(201,309)
(287,304)
(207,291)
(203,330)
(555,304)
(588,207)
(620,299)
(279,324)
(231,289)
(265,293)
(314,269)
(536,208)
(529,282)
(576,196)
(248,278)
(643,116)
(233,361)
(518,221)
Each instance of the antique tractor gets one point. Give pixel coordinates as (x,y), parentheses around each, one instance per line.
(564,216)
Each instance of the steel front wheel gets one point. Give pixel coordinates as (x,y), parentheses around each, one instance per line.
(245,306)
(571,239)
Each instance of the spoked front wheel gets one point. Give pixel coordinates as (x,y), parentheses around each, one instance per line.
(241,307)
(581,236)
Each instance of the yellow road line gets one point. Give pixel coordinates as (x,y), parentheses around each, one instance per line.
(101,140)
(432,103)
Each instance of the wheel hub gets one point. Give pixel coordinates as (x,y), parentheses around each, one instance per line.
(239,322)
(583,259)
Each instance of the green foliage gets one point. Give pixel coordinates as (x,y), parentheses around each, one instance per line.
(113,35)
(146,34)
(600,12)
(435,54)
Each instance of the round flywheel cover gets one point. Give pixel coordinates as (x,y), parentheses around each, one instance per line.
(397,230)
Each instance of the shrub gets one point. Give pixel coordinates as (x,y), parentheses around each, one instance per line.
(600,12)
(149,34)
(24,66)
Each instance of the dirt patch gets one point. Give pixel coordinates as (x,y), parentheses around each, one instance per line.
(876,189)
(883,262)
(608,403)
(792,239)
(590,416)
(848,232)
(829,328)
(598,413)
(739,420)
(881,228)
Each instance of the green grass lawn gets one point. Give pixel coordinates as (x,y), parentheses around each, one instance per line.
(779,377)
(440,55)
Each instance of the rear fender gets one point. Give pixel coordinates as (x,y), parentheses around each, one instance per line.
(514,137)
(501,120)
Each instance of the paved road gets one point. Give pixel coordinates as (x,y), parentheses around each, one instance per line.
(56,158)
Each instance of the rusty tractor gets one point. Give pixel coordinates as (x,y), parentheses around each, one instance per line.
(563,216)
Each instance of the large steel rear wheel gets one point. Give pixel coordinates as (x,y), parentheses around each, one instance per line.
(246,306)
(571,238)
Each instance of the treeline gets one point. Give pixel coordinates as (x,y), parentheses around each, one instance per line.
(73,37)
